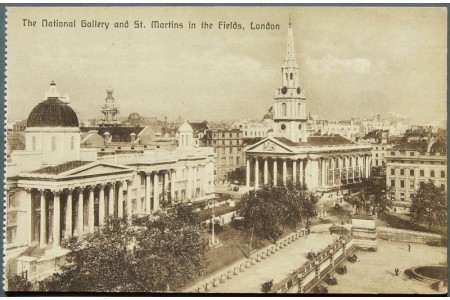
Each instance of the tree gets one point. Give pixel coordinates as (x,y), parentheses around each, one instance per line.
(166,253)
(269,210)
(429,205)
(374,197)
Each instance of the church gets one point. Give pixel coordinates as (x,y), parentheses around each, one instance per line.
(57,189)
(329,165)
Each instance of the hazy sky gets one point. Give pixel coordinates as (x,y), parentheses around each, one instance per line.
(354,62)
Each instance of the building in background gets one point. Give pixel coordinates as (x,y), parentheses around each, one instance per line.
(228,145)
(412,163)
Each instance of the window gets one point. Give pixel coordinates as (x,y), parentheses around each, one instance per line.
(283,109)
(443,174)
(422,173)
(432,173)
(72,143)
(411,153)
(283,127)
(292,76)
(411,172)
(237,160)
(33,143)
(402,183)
(376,155)
(402,172)
(392,153)
(53,145)
(392,182)
(392,171)
(402,196)
(411,184)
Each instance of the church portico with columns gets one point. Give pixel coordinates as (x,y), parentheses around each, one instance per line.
(270,162)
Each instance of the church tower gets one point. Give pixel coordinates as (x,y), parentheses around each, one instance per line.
(290,101)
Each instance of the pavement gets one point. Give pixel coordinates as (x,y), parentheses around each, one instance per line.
(374,273)
(276,266)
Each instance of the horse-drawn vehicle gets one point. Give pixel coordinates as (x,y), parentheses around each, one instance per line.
(267,286)
(353,258)
(217,226)
(311,254)
(341,270)
(330,279)
(320,289)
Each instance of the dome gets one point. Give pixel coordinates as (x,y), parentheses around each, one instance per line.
(185,128)
(52,113)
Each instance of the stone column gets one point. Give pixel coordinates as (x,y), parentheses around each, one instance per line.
(111,197)
(56,219)
(189,190)
(332,171)
(91,210)
(43,224)
(275,172)
(294,171)
(129,202)
(346,169)
(80,216)
(324,172)
(194,182)
(101,205)
(29,221)
(166,181)
(155,192)
(120,200)
(302,181)
(138,194)
(247,169)
(147,193)
(256,173)
(353,167)
(172,184)
(284,171)
(68,232)
(266,172)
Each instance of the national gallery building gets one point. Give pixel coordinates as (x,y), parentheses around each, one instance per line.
(57,189)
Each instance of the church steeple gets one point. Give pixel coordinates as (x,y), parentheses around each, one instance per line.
(290,100)
(290,50)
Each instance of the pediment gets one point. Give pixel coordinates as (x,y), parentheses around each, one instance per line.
(96,169)
(269,145)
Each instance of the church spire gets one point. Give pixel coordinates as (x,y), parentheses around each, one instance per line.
(290,51)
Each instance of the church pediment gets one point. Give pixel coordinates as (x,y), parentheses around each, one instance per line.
(269,145)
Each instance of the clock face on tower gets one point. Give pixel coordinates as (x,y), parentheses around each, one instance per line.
(298,91)
(284,90)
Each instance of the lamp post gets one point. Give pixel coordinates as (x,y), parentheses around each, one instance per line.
(213,239)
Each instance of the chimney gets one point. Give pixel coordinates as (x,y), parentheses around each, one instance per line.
(133,137)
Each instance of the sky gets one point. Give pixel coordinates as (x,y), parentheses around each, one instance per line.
(354,61)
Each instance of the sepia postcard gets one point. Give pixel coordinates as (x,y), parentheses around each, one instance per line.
(226,149)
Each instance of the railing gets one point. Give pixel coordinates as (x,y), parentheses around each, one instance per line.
(302,276)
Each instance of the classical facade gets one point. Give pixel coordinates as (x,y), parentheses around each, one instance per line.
(55,189)
(326,164)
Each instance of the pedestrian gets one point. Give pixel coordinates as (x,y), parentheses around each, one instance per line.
(396,271)
(409,247)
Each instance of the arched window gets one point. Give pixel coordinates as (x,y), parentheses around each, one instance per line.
(292,76)
(299,109)
(283,109)
(286,76)
(53,146)
(33,143)
(72,143)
